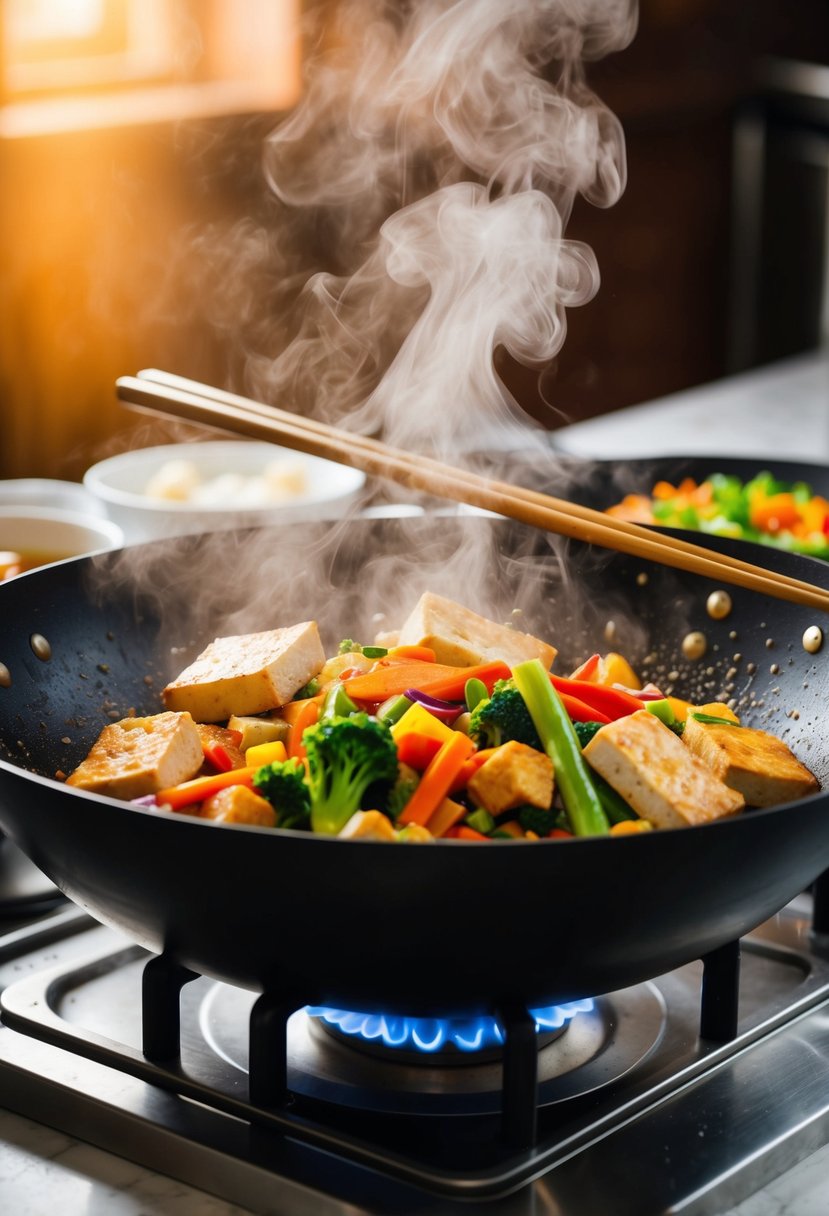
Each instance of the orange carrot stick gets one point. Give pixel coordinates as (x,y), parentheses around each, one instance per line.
(469,768)
(434,784)
(424,653)
(189,792)
(306,717)
(391,679)
(451,686)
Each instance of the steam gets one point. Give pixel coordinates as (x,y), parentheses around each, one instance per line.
(420,194)
(445,142)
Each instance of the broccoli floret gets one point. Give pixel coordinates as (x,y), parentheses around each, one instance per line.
(586,730)
(503,717)
(345,756)
(311,689)
(538,819)
(348,646)
(404,786)
(283,784)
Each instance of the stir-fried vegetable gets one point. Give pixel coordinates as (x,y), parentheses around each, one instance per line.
(788,515)
(345,756)
(386,743)
(561,744)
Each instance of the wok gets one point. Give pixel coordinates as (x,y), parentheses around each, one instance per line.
(446,927)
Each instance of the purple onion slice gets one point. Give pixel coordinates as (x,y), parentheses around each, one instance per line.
(444,711)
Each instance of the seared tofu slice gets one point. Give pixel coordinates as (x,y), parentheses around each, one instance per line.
(247,674)
(762,767)
(657,775)
(460,637)
(513,776)
(139,756)
(238,804)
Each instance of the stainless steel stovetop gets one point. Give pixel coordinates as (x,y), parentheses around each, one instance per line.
(637,1115)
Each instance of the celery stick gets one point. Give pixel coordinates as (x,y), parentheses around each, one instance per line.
(561,744)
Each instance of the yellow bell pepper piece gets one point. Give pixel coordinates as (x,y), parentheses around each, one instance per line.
(615,669)
(417,720)
(265,753)
(630,827)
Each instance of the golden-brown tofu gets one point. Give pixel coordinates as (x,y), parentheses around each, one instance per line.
(210,733)
(762,767)
(461,637)
(368,825)
(139,756)
(513,776)
(247,674)
(258,730)
(657,775)
(238,804)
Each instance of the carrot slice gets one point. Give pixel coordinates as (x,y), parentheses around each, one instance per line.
(469,768)
(462,832)
(451,687)
(434,784)
(425,654)
(436,679)
(189,792)
(306,717)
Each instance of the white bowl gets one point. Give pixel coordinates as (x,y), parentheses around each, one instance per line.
(121,482)
(38,492)
(55,535)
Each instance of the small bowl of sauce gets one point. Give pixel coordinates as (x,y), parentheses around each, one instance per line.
(31,537)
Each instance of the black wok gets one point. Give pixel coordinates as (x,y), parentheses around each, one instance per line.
(444,927)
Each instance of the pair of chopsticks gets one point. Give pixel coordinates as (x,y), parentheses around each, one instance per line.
(160,392)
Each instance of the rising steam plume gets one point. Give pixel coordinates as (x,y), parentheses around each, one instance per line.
(441,145)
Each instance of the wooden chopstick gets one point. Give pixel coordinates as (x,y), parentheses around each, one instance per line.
(162,393)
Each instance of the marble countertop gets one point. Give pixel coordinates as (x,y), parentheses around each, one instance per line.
(782,410)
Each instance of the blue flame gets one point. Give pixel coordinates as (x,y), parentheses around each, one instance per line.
(431,1034)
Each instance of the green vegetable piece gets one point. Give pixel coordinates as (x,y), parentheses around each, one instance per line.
(538,819)
(474,692)
(337,703)
(613,803)
(502,717)
(393,709)
(663,710)
(311,689)
(586,730)
(481,821)
(561,744)
(345,756)
(375,652)
(398,796)
(348,646)
(283,784)
(713,720)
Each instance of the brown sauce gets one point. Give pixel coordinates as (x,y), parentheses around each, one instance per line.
(17,561)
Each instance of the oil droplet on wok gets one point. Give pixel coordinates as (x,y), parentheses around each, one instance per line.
(694,645)
(718,605)
(41,647)
(813,639)
(5,676)
(642,579)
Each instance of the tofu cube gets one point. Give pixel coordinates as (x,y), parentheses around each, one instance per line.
(461,637)
(247,674)
(139,756)
(368,825)
(657,774)
(513,776)
(258,730)
(762,767)
(238,804)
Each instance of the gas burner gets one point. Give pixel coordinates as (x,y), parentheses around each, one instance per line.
(600,1046)
(441,1041)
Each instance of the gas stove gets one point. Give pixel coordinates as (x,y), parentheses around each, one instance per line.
(711,1094)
